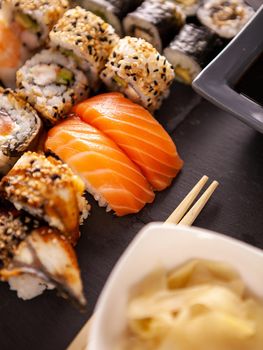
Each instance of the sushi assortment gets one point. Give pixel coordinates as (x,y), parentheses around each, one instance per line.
(56,143)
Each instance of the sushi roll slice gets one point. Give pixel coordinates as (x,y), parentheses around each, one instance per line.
(35,257)
(136,69)
(156,21)
(47,189)
(20,128)
(112,11)
(189,7)
(52,83)
(32,20)
(226,18)
(190,51)
(85,37)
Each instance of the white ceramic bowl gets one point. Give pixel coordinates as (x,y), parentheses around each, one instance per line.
(170,246)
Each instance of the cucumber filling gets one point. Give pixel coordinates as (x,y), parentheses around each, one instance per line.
(27,22)
(121,82)
(64,76)
(183,74)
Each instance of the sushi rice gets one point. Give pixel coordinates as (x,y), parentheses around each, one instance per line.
(189,7)
(136,69)
(226,18)
(85,37)
(52,83)
(20,128)
(32,20)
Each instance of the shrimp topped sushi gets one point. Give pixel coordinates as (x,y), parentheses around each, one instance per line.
(52,83)
(87,39)
(137,133)
(35,257)
(20,128)
(136,69)
(109,175)
(48,190)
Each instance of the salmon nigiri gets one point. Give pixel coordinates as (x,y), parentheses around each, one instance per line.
(137,133)
(113,179)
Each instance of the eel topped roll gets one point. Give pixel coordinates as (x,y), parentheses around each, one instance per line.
(35,257)
(52,83)
(156,21)
(32,20)
(47,189)
(20,128)
(112,11)
(226,18)
(85,37)
(136,69)
(190,51)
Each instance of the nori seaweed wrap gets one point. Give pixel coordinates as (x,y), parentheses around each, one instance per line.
(156,21)
(190,51)
(112,11)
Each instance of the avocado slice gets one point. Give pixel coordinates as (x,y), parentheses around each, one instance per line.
(64,76)
(27,22)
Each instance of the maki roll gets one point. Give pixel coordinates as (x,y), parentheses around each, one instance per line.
(20,128)
(112,11)
(226,18)
(190,51)
(87,39)
(47,189)
(189,7)
(136,69)
(35,257)
(32,20)
(156,21)
(52,83)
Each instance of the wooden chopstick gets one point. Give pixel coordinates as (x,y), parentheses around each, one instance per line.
(182,208)
(180,213)
(192,214)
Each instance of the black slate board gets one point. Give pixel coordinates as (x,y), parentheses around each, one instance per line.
(211,142)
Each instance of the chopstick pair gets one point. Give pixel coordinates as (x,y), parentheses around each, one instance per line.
(181,216)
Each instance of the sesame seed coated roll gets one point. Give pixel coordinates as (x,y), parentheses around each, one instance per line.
(33,19)
(136,69)
(86,38)
(52,83)
(47,189)
(112,11)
